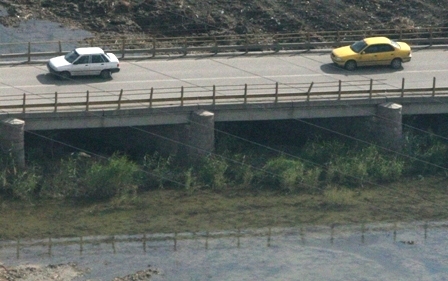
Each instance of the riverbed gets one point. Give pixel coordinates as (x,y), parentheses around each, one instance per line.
(387,251)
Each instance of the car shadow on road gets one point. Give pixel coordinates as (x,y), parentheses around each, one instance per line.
(50,79)
(331,68)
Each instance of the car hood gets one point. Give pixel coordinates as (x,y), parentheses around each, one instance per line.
(343,51)
(58,62)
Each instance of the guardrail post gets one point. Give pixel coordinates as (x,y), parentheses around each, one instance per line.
(154,47)
(24,103)
(430,36)
(371,88)
(433,86)
(185,46)
(182,96)
(246,44)
(338,37)
(276,92)
(87,100)
(245,93)
(29,51)
(60,47)
(123,44)
(150,97)
(119,99)
(214,95)
(55,101)
(402,87)
(309,92)
(308,40)
(215,46)
(339,91)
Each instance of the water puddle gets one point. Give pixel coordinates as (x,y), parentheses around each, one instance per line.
(408,252)
(38,31)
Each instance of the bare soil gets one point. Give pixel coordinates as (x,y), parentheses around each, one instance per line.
(217,17)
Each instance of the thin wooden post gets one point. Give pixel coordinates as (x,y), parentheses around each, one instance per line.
(245,93)
(123,44)
(215,45)
(185,46)
(119,99)
(340,89)
(433,86)
(214,95)
(24,103)
(150,97)
(182,96)
(154,47)
(309,92)
(81,243)
(55,101)
(430,36)
(371,88)
(87,100)
(29,51)
(308,40)
(402,87)
(276,92)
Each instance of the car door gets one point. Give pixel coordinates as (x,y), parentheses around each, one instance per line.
(81,66)
(98,64)
(386,54)
(369,56)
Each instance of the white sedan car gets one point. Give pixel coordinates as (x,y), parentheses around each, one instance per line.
(84,61)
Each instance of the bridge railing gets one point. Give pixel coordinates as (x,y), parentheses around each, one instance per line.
(144,46)
(212,95)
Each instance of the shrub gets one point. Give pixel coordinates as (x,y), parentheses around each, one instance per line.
(212,172)
(116,177)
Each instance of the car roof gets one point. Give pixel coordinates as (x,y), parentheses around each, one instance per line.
(89,50)
(377,40)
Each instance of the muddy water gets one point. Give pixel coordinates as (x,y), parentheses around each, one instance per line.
(417,251)
(38,31)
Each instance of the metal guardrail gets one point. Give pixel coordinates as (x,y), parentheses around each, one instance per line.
(211,95)
(151,46)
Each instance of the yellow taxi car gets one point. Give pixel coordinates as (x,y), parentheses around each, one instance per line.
(372,51)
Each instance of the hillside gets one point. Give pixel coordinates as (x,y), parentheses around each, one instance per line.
(217,17)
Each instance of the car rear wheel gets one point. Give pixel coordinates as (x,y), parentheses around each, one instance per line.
(396,63)
(64,75)
(106,74)
(350,65)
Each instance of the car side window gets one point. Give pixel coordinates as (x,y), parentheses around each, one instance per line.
(83,59)
(372,49)
(105,58)
(97,59)
(386,48)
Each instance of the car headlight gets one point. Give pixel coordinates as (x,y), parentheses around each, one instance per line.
(337,58)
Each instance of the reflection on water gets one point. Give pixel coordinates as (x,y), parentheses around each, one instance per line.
(416,251)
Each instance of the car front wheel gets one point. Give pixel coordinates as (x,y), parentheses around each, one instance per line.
(64,75)
(350,65)
(106,74)
(396,63)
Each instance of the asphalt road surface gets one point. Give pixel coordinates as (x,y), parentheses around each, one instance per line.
(228,72)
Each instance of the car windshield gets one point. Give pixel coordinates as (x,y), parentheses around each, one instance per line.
(395,44)
(358,46)
(72,56)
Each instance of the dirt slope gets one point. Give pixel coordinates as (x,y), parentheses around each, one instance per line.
(213,17)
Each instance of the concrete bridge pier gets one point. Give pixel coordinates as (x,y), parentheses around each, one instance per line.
(389,126)
(200,141)
(12,140)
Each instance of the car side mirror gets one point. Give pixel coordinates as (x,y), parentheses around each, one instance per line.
(363,52)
